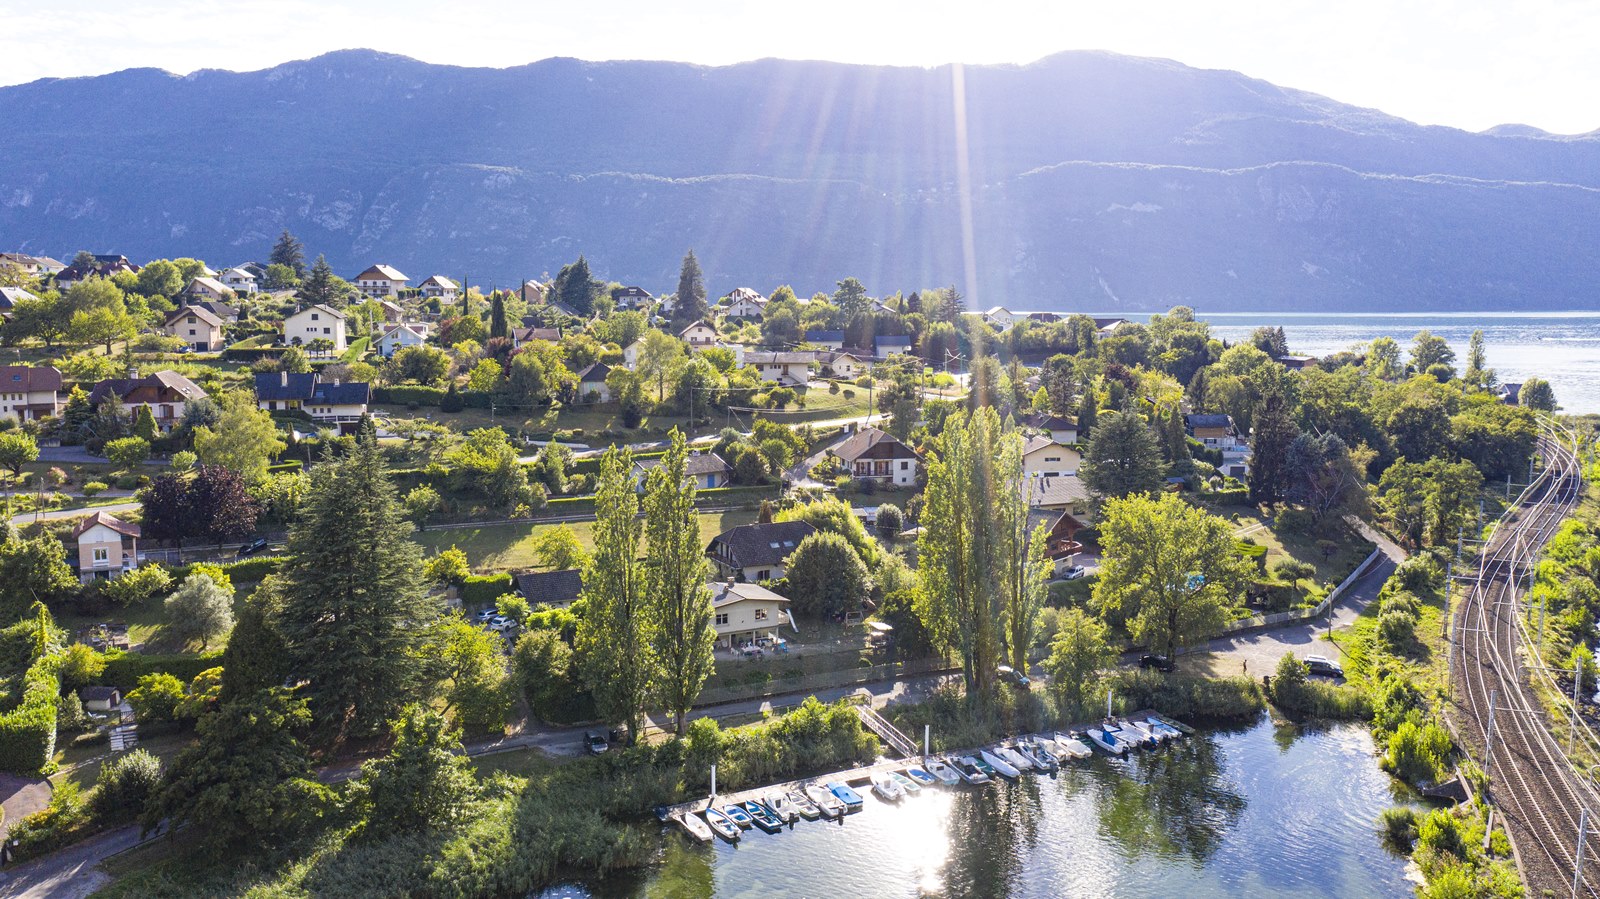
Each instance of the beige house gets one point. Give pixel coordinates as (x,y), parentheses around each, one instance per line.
(313,322)
(788,369)
(1043,457)
(746,614)
(198,327)
(28,393)
(381,281)
(699,334)
(108,547)
(842,364)
(207,288)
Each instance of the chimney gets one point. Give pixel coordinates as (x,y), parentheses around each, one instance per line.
(336,381)
(730,580)
(283,379)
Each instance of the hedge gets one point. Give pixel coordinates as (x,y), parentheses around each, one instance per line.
(244,571)
(408,394)
(251,354)
(123,670)
(484,589)
(28,732)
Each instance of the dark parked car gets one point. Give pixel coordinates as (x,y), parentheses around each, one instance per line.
(1013,677)
(253,547)
(1324,666)
(595,743)
(1160,663)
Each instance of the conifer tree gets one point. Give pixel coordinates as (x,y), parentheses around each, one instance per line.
(497,316)
(320,287)
(690,306)
(289,251)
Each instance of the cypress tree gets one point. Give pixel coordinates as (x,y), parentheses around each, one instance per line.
(354,609)
(497,316)
(691,302)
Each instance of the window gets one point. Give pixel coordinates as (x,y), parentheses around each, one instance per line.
(313,316)
(764,575)
(722,618)
(904,465)
(761,614)
(101,554)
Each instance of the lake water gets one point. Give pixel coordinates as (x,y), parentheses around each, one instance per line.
(1261,811)
(1561,347)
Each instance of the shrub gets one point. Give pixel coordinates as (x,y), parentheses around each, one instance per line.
(125,669)
(1200,698)
(1441,833)
(1418,754)
(125,785)
(890,520)
(1293,570)
(1399,826)
(157,697)
(136,586)
(56,825)
(94,488)
(483,590)
(1397,628)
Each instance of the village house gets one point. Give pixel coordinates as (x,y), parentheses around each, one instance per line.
(381,281)
(204,288)
(757,552)
(745,303)
(330,402)
(874,455)
(100,699)
(108,547)
(1216,431)
(167,393)
(533,293)
(745,615)
(34,266)
(239,280)
(698,334)
(556,589)
(197,327)
(397,336)
(592,382)
(788,369)
(29,393)
(104,266)
(10,297)
(1067,494)
(1297,363)
(315,322)
(392,311)
(228,314)
(438,287)
(827,340)
(1109,326)
(707,471)
(520,336)
(1000,317)
(1044,457)
(629,298)
(844,364)
(630,354)
(1061,429)
(886,346)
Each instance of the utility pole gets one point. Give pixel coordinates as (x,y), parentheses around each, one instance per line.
(1583,832)
(1577,684)
(1488,737)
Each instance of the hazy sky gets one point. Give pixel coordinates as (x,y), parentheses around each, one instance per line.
(1431,61)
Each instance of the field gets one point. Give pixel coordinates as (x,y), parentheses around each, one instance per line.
(507,547)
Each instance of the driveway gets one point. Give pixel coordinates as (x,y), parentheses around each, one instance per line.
(71,873)
(21,797)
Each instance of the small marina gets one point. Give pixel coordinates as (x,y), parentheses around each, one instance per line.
(833,797)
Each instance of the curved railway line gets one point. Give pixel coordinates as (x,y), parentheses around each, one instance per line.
(1537,792)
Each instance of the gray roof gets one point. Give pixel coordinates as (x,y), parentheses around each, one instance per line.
(556,588)
(10,296)
(310,388)
(724,594)
(595,373)
(761,544)
(1056,492)
(694,465)
(825,336)
(1208,420)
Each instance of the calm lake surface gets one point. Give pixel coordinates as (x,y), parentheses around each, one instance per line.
(1261,811)
(1561,347)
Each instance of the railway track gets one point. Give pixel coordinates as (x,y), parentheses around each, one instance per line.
(1539,795)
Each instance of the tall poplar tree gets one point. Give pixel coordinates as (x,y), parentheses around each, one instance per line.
(613,634)
(675,582)
(1024,570)
(353,611)
(690,305)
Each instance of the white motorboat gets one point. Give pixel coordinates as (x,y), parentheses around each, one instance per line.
(1033,752)
(1000,765)
(1074,746)
(781,807)
(967,769)
(1108,740)
(887,788)
(826,803)
(943,772)
(807,809)
(1161,727)
(910,786)
(1017,759)
(1136,736)
(695,827)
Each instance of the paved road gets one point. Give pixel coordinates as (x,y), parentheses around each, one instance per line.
(1258,652)
(72,873)
(54,514)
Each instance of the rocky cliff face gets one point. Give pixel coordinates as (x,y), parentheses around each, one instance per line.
(1091,181)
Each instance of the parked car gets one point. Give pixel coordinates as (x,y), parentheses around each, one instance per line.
(1159,663)
(501,623)
(1075,572)
(486,616)
(1013,677)
(253,547)
(1324,666)
(595,743)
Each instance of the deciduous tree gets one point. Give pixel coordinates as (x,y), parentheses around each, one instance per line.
(614,638)
(675,584)
(1078,655)
(200,610)
(826,577)
(244,440)
(423,782)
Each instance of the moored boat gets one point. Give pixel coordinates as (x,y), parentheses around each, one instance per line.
(851,800)
(910,786)
(982,764)
(967,769)
(803,804)
(778,803)
(887,788)
(738,815)
(1107,739)
(1074,746)
(694,826)
(921,776)
(826,803)
(1134,735)
(763,816)
(722,824)
(943,772)
(1162,727)
(1016,759)
(1035,753)
(1000,765)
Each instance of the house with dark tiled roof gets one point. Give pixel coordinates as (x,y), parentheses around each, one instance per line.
(108,547)
(707,470)
(874,455)
(104,266)
(556,589)
(1062,428)
(520,336)
(381,281)
(592,382)
(167,393)
(199,328)
(335,402)
(228,313)
(887,345)
(29,393)
(828,340)
(1216,431)
(632,298)
(1208,426)
(757,552)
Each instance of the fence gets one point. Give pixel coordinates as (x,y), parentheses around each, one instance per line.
(1321,608)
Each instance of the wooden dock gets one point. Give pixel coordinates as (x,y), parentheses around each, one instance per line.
(862,776)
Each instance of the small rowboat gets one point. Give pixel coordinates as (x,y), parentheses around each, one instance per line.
(807,809)
(722,824)
(943,772)
(763,817)
(826,803)
(694,826)
(738,815)
(922,777)
(908,785)
(1001,765)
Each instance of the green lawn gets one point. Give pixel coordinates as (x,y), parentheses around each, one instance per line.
(507,547)
(147,622)
(81,764)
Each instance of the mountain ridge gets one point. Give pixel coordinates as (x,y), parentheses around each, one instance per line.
(1231,192)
